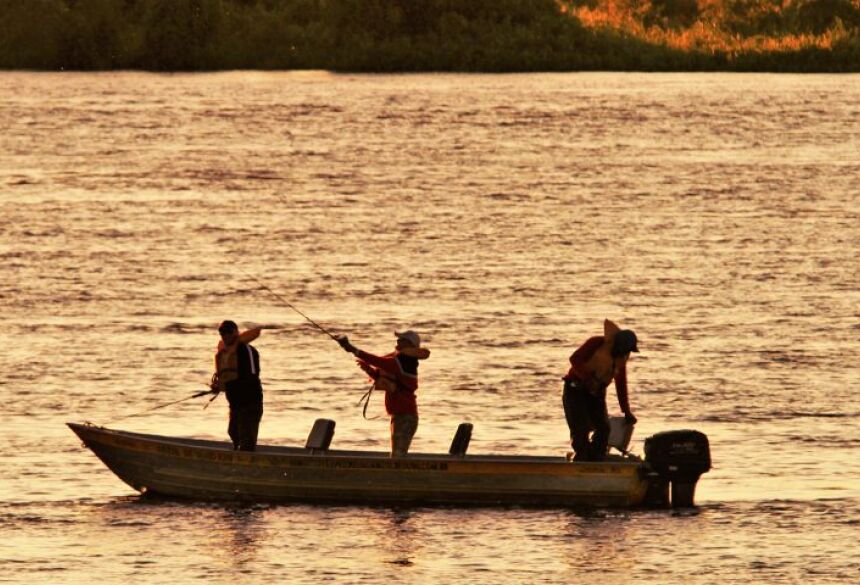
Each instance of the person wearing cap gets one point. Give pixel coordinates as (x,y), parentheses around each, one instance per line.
(396,374)
(597,362)
(237,374)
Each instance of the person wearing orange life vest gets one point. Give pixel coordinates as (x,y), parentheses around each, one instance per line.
(396,374)
(596,363)
(237,374)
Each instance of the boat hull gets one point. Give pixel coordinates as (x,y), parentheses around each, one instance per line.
(211,470)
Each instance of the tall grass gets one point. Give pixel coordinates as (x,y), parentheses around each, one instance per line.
(730,26)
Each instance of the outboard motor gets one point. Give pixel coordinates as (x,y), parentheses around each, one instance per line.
(679,457)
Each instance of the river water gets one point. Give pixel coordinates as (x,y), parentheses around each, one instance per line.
(502,217)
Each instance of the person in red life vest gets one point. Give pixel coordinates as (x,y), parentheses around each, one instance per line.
(396,374)
(237,373)
(597,362)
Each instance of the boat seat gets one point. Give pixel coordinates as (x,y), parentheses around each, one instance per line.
(461,440)
(321,434)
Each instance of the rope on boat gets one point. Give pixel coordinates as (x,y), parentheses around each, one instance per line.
(366,400)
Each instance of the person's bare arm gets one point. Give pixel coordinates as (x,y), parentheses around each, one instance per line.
(250,335)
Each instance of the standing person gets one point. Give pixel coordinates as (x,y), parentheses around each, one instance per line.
(597,362)
(237,373)
(397,375)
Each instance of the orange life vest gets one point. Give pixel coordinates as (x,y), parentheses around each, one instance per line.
(602,365)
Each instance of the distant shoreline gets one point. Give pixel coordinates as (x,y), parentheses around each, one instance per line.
(405,36)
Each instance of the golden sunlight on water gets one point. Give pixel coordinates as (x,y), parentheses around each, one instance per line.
(503,217)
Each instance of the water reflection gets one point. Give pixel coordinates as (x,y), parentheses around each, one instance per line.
(599,539)
(395,536)
(237,535)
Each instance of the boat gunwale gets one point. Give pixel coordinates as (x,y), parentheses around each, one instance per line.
(334,454)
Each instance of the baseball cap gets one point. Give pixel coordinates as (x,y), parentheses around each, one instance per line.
(409,337)
(625,341)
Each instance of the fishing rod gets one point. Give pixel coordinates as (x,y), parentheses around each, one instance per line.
(215,393)
(365,399)
(166,404)
(290,305)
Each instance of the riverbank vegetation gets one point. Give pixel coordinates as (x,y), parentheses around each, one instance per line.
(431,35)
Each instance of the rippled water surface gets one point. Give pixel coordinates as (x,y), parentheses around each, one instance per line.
(503,217)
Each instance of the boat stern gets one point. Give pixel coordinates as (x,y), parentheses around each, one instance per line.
(677,459)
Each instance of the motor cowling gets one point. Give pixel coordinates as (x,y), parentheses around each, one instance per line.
(679,457)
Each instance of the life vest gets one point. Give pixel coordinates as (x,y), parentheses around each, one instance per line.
(390,381)
(228,365)
(603,365)
(386,382)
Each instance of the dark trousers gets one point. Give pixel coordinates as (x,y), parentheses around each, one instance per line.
(586,412)
(244,424)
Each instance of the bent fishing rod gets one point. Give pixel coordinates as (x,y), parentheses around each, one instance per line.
(290,305)
(365,399)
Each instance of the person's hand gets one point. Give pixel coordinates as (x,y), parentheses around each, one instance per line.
(368,369)
(343,340)
(630,418)
(215,384)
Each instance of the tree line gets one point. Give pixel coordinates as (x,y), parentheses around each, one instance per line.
(431,35)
